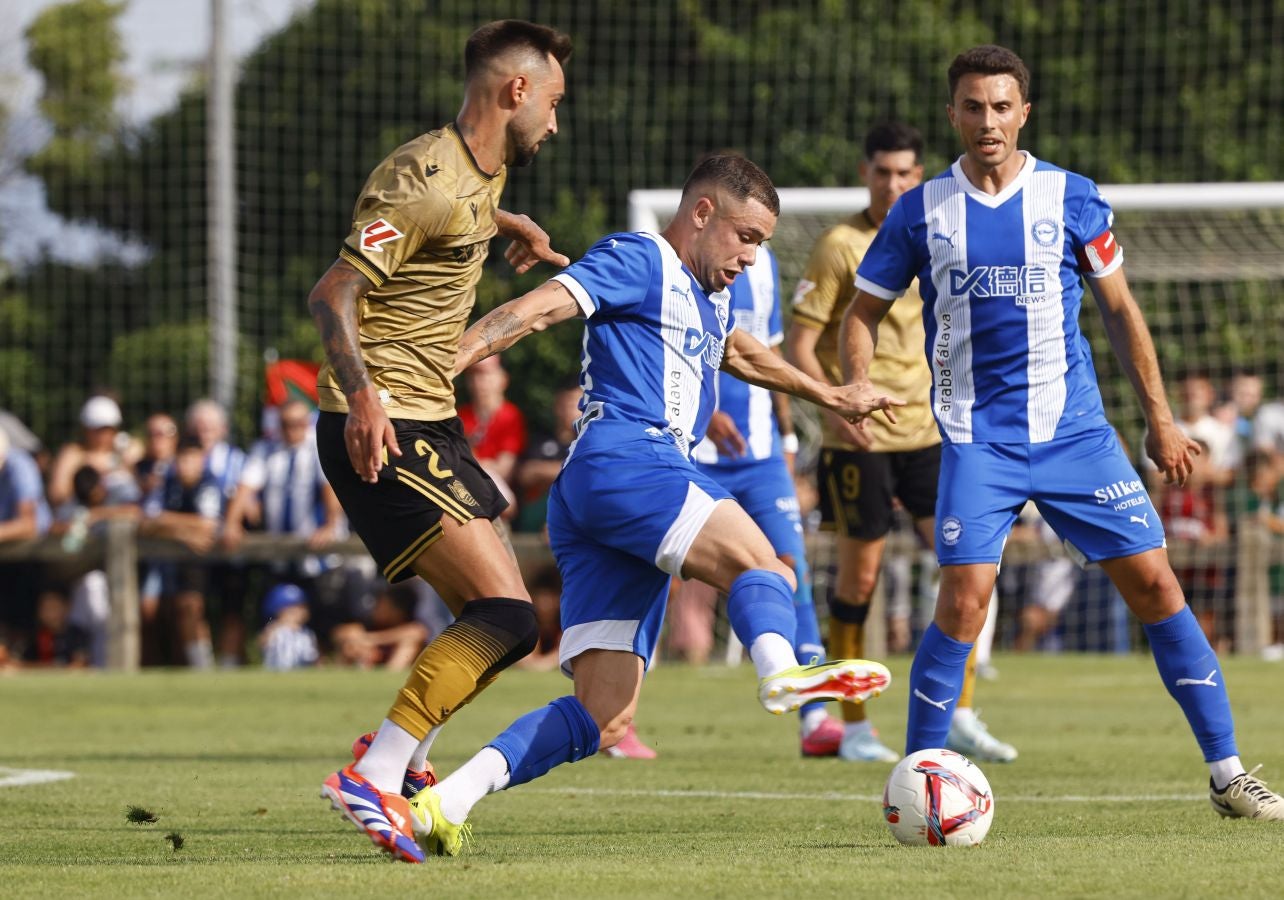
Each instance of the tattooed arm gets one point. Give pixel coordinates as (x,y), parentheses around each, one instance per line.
(333,303)
(505,325)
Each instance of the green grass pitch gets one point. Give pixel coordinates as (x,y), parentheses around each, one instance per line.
(1108,798)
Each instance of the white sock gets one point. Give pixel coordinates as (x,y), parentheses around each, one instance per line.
(419,759)
(1225,770)
(772,654)
(985,640)
(863,728)
(484,774)
(813,719)
(200,654)
(385,762)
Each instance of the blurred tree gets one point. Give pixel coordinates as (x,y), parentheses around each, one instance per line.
(77,50)
(1122,92)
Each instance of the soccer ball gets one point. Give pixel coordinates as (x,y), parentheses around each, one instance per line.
(937,797)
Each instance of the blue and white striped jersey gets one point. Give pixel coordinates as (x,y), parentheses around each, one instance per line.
(289,647)
(653,341)
(209,498)
(1000,279)
(755,304)
(290,485)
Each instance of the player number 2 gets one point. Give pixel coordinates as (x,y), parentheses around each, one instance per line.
(422,448)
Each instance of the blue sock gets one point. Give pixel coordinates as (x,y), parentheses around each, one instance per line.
(546,737)
(1190,671)
(760,602)
(807,642)
(936,677)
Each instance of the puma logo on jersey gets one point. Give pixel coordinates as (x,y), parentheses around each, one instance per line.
(1140,520)
(1206,680)
(376,234)
(948,238)
(473,208)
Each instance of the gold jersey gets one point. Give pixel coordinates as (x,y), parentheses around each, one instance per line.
(899,367)
(420,231)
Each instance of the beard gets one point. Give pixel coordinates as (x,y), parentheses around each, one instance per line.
(524,138)
(524,156)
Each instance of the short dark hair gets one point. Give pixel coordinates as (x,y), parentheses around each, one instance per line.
(990,59)
(84,483)
(738,176)
(494,39)
(890,137)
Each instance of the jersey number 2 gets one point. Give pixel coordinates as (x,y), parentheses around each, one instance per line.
(423,449)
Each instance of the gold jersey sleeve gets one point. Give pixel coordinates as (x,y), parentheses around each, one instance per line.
(421,230)
(899,367)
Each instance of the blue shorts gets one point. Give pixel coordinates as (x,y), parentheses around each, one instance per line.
(766,492)
(1084,486)
(620,523)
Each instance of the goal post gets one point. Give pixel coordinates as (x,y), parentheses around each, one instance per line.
(650,207)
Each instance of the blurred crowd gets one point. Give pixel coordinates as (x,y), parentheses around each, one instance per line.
(1236,480)
(180,479)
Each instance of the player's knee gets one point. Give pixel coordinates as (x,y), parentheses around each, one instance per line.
(961,615)
(778,567)
(850,613)
(510,622)
(1157,597)
(865,583)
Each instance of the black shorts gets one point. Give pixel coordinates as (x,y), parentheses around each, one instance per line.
(857,486)
(399,516)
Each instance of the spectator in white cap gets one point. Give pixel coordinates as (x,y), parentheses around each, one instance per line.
(102,446)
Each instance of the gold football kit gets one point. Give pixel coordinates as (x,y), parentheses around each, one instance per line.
(420,231)
(857,487)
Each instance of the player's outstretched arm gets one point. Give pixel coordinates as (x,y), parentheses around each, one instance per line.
(505,325)
(1166,444)
(333,304)
(857,341)
(530,244)
(858,337)
(750,360)
(800,350)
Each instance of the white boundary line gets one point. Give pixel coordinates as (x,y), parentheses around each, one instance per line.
(858,798)
(23,777)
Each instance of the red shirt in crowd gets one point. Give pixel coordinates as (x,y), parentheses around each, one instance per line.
(504,432)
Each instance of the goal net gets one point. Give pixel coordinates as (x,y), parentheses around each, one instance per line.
(1206,263)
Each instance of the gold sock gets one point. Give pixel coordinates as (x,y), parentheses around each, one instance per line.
(847,641)
(489,635)
(969,682)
